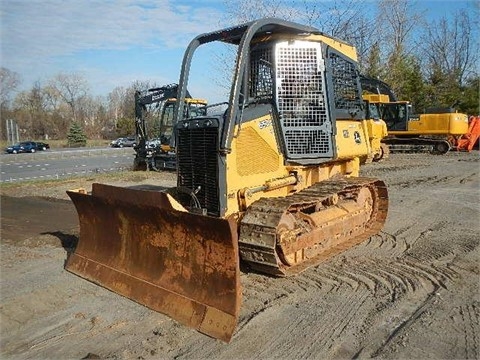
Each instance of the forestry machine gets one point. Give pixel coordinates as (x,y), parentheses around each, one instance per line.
(436,131)
(273,181)
(155,149)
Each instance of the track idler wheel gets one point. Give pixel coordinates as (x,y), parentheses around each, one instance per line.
(284,236)
(441,147)
(334,220)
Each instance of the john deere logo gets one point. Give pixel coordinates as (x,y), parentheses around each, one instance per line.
(357,137)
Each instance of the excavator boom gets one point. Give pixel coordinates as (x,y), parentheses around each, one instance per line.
(467,141)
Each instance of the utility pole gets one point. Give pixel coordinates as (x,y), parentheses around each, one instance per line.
(12,131)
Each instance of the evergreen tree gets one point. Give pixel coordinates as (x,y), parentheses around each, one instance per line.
(444,89)
(470,101)
(76,136)
(413,87)
(373,66)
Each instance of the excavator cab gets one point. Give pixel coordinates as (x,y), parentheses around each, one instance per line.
(154,121)
(273,181)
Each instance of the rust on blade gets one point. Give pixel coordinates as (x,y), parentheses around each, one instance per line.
(136,244)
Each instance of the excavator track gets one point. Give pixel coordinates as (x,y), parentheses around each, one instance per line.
(286,235)
(435,146)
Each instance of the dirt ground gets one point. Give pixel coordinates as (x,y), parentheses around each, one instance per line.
(411,292)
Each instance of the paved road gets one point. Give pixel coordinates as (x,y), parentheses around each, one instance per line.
(56,164)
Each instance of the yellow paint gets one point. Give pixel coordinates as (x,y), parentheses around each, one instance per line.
(341,46)
(376,130)
(346,135)
(439,124)
(376,98)
(188,101)
(427,124)
(256,162)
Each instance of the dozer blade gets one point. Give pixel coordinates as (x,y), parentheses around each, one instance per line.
(136,244)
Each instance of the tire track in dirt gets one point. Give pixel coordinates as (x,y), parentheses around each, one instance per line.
(362,272)
(367,267)
(351,281)
(405,324)
(396,278)
(289,315)
(465,321)
(442,249)
(323,334)
(395,275)
(468,178)
(435,329)
(405,293)
(392,277)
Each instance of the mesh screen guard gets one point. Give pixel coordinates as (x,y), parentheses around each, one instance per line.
(302,100)
(345,83)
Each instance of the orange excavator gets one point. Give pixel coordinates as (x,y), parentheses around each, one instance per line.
(467,141)
(272,181)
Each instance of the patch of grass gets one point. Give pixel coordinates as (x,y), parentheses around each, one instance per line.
(127,175)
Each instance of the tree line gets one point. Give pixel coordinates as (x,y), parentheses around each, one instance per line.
(430,62)
(49,111)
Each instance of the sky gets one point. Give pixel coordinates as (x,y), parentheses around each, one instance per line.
(113,43)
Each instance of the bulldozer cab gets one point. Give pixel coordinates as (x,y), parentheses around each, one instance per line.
(281,68)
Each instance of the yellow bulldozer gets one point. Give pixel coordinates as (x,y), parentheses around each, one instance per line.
(272,181)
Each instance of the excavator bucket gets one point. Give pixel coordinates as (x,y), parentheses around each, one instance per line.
(138,243)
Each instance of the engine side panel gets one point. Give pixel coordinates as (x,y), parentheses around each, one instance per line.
(439,124)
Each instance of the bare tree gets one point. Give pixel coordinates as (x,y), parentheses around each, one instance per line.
(121,106)
(343,19)
(115,103)
(450,48)
(9,81)
(59,111)
(31,111)
(396,23)
(90,110)
(71,88)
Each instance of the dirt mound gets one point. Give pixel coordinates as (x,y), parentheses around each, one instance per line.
(37,221)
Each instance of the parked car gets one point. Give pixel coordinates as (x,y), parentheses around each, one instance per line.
(124,142)
(27,146)
(42,146)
